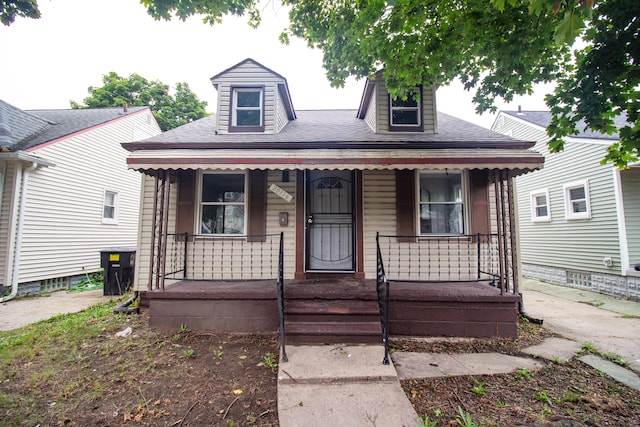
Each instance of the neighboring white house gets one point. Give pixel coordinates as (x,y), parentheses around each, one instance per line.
(65,192)
(579,220)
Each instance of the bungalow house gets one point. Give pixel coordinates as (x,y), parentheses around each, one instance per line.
(65,192)
(393,212)
(579,220)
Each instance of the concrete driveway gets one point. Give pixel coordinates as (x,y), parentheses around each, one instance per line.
(611,324)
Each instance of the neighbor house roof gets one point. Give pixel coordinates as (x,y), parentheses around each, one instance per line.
(543,119)
(25,130)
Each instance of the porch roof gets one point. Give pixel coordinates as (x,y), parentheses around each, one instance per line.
(352,159)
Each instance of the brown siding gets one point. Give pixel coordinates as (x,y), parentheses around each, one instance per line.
(257,218)
(405,202)
(186,201)
(478,187)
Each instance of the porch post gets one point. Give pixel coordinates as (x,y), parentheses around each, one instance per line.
(513,233)
(152,252)
(164,227)
(500,218)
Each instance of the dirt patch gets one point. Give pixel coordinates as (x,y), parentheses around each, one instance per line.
(149,378)
(571,394)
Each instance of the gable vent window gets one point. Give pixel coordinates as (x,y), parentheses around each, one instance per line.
(247,110)
(406,114)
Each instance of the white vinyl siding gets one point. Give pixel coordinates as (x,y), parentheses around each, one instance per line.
(281,113)
(5,219)
(574,245)
(63,223)
(379,206)
(248,74)
(370,115)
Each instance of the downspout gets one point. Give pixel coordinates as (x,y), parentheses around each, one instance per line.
(21,191)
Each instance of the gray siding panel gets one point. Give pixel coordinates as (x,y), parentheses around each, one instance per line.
(570,244)
(631,197)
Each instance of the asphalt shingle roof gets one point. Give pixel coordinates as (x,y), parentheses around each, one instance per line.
(330,126)
(30,128)
(543,118)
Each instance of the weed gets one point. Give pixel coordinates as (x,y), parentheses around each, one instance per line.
(242,357)
(546,412)
(542,396)
(231,423)
(478,388)
(557,360)
(464,419)
(270,362)
(427,422)
(615,358)
(524,374)
(629,316)
(184,329)
(217,354)
(189,353)
(589,347)
(251,418)
(502,404)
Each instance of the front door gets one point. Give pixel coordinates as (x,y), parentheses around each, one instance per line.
(330,221)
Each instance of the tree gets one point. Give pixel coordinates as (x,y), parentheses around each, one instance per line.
(498,49)
(10,9)
(169,111)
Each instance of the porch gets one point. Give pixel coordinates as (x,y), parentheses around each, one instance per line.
(338,310)
(460,285)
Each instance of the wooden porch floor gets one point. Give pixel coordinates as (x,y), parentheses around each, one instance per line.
(467,309)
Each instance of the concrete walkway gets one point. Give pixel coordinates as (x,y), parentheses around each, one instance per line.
(349,386)
(22,311)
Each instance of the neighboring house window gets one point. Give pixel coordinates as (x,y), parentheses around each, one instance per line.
(576,199)
(406,114)
(110,207)
(540,209)
(247,110)
(441,204)
(222,203)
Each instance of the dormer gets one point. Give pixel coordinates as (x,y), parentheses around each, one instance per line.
(252,99)
(384,114)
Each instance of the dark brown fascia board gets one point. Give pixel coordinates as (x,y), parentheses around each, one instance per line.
(363,145)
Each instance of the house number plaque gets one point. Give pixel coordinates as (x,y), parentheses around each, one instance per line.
(280,192)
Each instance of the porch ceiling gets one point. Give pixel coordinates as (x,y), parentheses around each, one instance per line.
(518,160)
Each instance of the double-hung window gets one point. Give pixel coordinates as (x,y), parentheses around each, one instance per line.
(540,209)
(247,109)
(576,200)
(441,203)
(222,203)
(110,207)
(406,114)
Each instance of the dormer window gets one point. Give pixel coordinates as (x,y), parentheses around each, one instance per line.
(405,115)
(247,109)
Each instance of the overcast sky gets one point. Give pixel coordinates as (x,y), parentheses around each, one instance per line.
(52,60)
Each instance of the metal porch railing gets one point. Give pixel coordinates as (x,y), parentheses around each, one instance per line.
(229,258)
(205,257)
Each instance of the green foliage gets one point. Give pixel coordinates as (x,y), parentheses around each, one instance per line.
(524,374)
(542,396)
(270,361)
(169,110)
(478,388)
(497,49)
(602,82)
(426,422)
(616,358)
(11,9)
(464,419)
